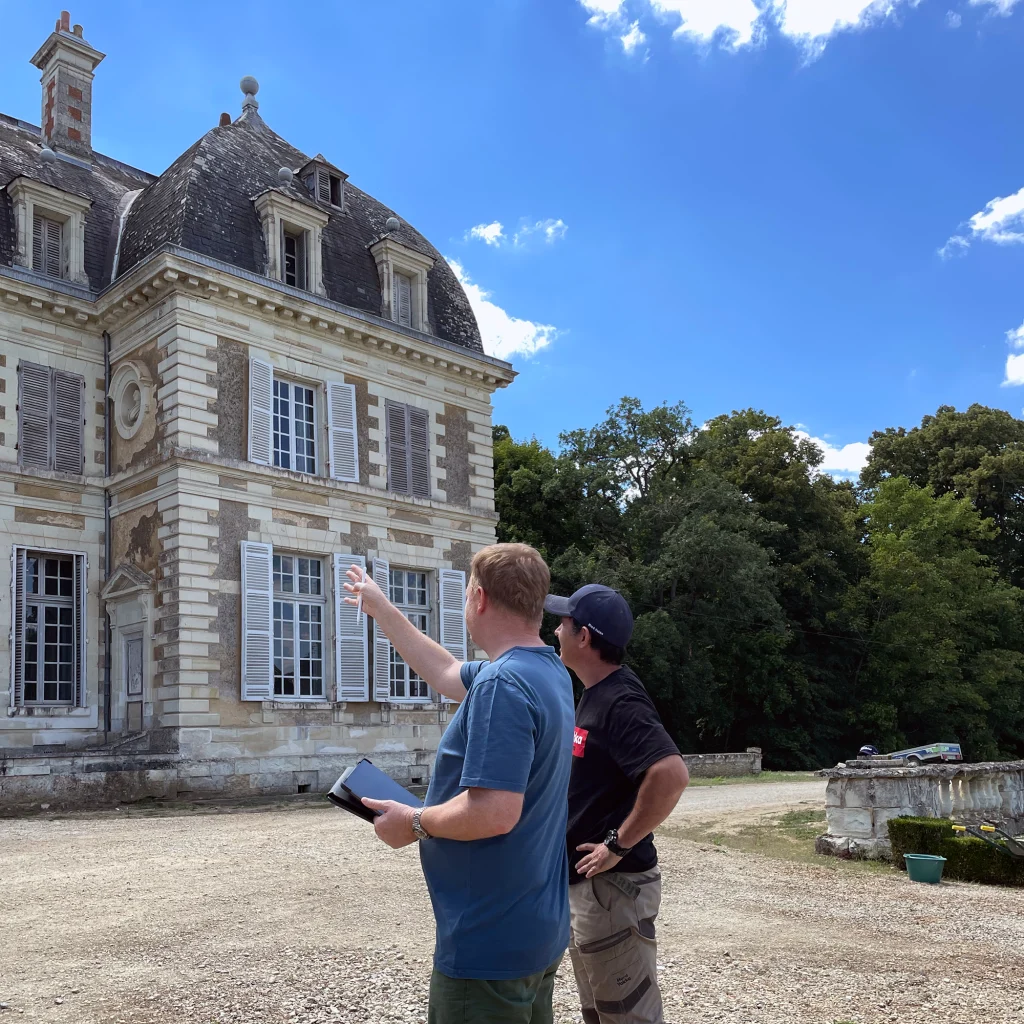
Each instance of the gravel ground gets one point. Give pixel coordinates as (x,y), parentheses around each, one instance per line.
(295,917)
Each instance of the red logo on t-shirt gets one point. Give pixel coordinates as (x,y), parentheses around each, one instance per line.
(579,742)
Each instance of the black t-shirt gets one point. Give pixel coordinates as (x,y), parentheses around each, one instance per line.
(618,737)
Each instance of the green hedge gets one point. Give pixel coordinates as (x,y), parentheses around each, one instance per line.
(967,859)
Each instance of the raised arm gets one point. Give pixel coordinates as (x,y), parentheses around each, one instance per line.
(428,659)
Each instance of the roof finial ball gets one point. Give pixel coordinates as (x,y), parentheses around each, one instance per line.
(393,224)
(47,155)
(285,175)
(250,87)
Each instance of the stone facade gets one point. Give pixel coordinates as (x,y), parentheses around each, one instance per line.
(169,497)
(724,766)
(859,802)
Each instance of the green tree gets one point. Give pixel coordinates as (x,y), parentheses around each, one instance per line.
(941,654)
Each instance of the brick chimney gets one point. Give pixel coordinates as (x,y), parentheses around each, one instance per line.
(67,62)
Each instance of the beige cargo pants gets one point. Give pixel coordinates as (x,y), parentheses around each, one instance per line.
(613,948)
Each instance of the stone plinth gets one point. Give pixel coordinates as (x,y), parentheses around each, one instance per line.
(860,801)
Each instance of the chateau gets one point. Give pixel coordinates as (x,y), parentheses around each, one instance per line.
(220,386)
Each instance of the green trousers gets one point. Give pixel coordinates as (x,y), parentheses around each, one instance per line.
(470,1001)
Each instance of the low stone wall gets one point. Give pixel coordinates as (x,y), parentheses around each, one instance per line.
(715,766)
(107,779)
(860,801)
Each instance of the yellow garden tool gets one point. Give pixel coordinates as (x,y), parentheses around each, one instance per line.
(994,836)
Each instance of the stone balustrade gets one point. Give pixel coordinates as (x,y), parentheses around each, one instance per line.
(860,801)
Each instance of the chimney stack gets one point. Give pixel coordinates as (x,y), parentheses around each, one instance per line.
(67,63)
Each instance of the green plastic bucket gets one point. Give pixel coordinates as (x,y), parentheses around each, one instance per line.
(924,867)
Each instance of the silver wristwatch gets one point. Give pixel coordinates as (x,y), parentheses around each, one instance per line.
(418,830)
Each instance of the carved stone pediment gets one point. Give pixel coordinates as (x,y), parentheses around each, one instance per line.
(127,581)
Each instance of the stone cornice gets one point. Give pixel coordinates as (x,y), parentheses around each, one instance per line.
(171,269)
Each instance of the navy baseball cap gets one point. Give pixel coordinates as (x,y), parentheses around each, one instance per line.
(602,610)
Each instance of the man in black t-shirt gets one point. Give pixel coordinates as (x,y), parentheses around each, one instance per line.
(627,775)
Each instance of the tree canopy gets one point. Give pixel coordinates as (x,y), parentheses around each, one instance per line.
(780,608)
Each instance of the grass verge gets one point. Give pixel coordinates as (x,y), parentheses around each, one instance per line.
(754,780)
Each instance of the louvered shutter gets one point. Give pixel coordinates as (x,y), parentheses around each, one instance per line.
(261,412)
(398,447)
(81,593)
(34,408)
(404,306)
(257,621)
(323,185)
(38,244)
(381,644)
(68,422)
(18,584)
(341,427)
(63,247)
(419,452)
(451,588)
(351,659)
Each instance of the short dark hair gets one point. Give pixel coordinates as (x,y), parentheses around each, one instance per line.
(608,652)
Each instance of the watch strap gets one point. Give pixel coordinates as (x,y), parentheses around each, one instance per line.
(418,830)
(612,842)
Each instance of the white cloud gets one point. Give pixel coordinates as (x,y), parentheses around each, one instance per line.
(503,335)
(633,39)
(1002,220)
(846,461)
(733,21)
(492,234)
(1015,363)
(956,246)
(1001,6)
(739,23)
(604,12)
(551,229)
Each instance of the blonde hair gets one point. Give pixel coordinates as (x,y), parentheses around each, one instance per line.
(514,576)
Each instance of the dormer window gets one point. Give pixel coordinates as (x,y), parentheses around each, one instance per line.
(328,187)
(50,227)
(403,273)
(293,230)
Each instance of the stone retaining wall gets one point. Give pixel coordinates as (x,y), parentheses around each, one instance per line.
(860,801)
(715,766)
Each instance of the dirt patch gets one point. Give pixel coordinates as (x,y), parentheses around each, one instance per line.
(299,917)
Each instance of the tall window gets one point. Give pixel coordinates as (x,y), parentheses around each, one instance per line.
(294,257)
(294,427)
(49,591)
(410,595)
(298,627)
(47,246)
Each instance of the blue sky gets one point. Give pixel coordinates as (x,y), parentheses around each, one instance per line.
(814,207)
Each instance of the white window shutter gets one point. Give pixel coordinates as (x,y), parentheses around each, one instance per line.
(261,411)
(81,617)
(351,661)
(381,644)
(68,422)
(341,427)
(452,604)
(419,452)
(18,584)
(34,408)
(404,300)
(257,621)
(323,184)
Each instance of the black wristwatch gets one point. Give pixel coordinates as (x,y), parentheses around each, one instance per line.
(612,842)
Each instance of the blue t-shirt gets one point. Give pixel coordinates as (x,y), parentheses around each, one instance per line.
(502,904)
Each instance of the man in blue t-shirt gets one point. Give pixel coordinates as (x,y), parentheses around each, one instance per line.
(492,830)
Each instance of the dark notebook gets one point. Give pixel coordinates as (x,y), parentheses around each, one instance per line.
(366,779)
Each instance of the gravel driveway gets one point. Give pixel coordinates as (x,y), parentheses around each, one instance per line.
(296,916)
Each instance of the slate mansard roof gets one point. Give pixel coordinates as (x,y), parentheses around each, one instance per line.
(204,203)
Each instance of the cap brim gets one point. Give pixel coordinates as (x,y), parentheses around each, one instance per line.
(557,605)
